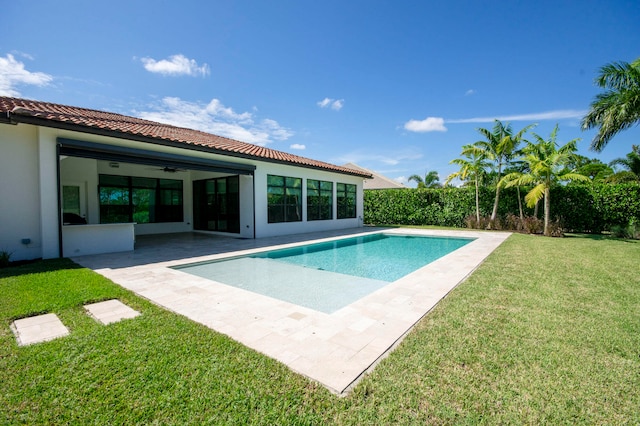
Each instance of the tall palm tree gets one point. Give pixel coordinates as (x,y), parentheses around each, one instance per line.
(618,108)
(631,163)
(471,169)
(431,180)
(500,147)
(547,166)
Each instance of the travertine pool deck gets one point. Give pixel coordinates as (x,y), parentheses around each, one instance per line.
(334,349)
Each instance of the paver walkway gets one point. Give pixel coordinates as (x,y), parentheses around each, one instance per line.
(110,311)
(42,328)
(38,329)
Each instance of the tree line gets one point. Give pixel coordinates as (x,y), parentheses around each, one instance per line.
(508,159)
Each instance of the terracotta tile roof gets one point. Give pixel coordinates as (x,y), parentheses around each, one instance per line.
(101,122)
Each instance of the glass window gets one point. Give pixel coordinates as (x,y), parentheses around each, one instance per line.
(319,200)
(138,199)
(284,199)
(71,199)
(346,199)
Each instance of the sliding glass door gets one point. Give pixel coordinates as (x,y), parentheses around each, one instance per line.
(216,204)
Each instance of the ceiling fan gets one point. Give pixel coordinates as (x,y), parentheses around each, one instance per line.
(168,169)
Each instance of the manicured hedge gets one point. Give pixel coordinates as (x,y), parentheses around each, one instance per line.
(581,208)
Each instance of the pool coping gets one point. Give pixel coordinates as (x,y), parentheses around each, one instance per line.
(336,349)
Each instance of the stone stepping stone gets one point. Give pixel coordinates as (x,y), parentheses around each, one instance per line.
(38,329)
(110,311)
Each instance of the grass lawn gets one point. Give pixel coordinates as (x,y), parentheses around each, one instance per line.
(545,331)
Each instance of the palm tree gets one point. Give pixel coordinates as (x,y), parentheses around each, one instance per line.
(471,168)
(431,180)
(631,163)
(500,147)
(618,108)
(547,166)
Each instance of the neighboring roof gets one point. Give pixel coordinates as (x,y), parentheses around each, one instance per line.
(15,110)
(377,181)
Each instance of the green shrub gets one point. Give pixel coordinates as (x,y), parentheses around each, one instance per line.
(5,258)
(591,208)
(630,231)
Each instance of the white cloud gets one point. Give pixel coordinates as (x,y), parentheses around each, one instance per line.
(437,124)
(392,158)
(429,124)
(470,92)
(337,105)
(175,65)
(218,119)
(297,146)
(548,115)
(402,179)
(13,73)
(324,103)
(334,104)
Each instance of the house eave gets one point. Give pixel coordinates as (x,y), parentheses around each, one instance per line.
(16,118)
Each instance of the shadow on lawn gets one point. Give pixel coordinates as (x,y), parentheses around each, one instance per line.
(37,266)
(601,237)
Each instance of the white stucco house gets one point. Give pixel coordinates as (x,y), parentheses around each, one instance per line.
(76,181)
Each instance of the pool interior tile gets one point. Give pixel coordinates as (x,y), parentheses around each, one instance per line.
(334,349)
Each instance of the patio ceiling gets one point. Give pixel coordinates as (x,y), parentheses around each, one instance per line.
(76,148)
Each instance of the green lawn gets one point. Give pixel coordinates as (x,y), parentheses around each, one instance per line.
(545,331)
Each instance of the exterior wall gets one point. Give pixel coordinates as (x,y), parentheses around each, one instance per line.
(265,229)
(29,190)
(247,226)
(48,169)
(19,192)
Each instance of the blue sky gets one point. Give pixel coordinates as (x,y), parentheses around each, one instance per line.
(394,86)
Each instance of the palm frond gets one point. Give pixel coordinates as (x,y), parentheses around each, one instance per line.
(618,108)
(534,195)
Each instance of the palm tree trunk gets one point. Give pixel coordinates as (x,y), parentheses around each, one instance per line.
(477,203)
(547,211)
(535,209)
(494,213)
(520,203)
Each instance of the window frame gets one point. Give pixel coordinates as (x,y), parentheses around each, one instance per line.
(319,200)
(157,188)
(284,199)
(346,192)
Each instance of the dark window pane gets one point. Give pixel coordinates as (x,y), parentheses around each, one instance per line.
(138,182)
(284,199)
(346,198)
(112,180)
(275,180)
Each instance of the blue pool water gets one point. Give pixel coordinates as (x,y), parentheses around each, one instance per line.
(380,256)
(328,276)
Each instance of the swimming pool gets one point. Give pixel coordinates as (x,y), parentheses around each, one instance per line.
(330,275)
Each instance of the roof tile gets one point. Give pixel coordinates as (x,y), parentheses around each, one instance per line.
(87,120)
